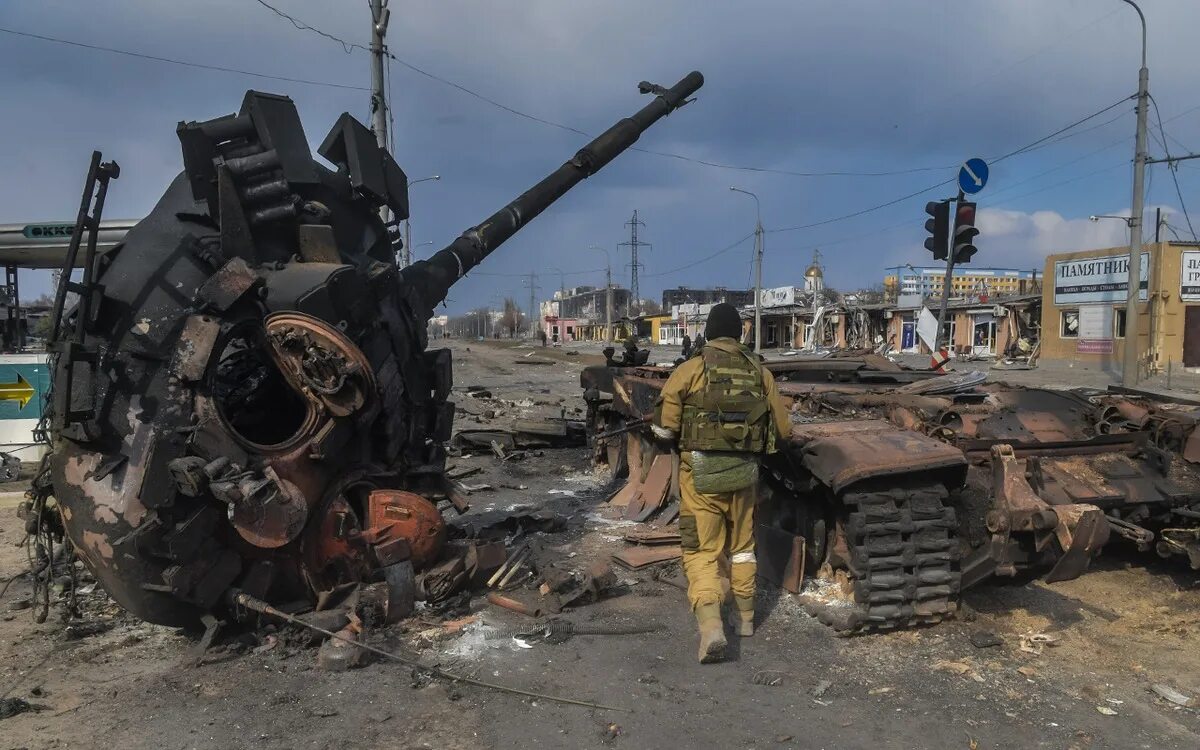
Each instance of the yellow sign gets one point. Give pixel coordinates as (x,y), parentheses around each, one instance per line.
(20,391)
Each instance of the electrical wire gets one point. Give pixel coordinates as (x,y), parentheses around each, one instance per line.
(184,63)
(665,154)
(705,259)
(1068,181)
(1171,167)
(1030,147)
(350,46)
(347,47)
(1077,133)
(256,605)
(1119,142)
(391,117)
(863,211)
(526,275)
(1015,152)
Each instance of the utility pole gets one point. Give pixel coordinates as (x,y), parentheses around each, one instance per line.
(562,293)
(608,293)
(407,254)
(1129,375)
(758,254)
(937,339)
(379,104)
(532,281)
(634,244)
(608,304)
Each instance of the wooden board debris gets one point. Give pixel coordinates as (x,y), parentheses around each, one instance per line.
(636,558)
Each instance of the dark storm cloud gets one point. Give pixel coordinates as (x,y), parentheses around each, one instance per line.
(852,86)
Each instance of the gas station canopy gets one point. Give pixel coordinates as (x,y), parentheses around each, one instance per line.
(44,244)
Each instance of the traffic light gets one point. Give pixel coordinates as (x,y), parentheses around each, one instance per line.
(964,232)
(938,228)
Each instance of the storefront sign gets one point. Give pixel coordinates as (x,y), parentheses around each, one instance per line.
(1189,279)
(1097,279)
(778,297)
(1095,329)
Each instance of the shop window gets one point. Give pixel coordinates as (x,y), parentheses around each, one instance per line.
(1119,323)
(1069,324)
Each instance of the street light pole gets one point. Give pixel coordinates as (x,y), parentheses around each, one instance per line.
(379,103)
(758,254)
(407,258)
(1129,376)
(608,309)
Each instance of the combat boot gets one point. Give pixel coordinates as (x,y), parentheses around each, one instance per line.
(712,633)
(741,618)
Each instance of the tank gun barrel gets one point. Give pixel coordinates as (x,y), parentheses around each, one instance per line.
(431,279)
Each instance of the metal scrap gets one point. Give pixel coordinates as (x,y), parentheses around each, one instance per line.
(1173,695)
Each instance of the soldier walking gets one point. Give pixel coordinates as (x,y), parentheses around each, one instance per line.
(722,409)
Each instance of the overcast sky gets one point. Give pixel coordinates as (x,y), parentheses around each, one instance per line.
(821,86)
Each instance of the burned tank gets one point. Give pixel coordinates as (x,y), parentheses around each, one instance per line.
(906,487)
(243,395)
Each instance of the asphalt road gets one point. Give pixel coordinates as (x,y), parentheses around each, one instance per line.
(1117,631)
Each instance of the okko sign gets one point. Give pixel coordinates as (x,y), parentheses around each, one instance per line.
(1103,279)
(1189,280)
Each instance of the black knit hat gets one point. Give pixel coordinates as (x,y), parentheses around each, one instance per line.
(723,322)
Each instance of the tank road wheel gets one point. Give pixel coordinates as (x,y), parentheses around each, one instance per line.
(902,557)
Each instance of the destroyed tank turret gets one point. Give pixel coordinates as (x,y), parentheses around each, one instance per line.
(243,397)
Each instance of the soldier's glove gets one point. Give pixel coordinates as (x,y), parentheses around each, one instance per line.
(662,434)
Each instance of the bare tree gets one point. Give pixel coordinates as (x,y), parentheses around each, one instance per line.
(650,307)
(828,296)
(513,319)
(871,295)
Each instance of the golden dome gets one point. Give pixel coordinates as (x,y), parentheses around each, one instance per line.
(814,272)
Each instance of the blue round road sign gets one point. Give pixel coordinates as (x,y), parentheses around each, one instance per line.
(972,176)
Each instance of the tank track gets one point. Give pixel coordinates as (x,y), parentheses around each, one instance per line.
(902,543)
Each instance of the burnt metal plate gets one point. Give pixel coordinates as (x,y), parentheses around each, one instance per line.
(841,453)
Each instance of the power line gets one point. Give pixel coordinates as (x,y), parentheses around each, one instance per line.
(350,46)
(1068,181)
(1171,167)
(525,275)
(860,212)
(1015,152)
(1119,142)
(665,154)
(184,63)
(1077,133)
(347,47)
(1060,131)
(705,259)
(791,173)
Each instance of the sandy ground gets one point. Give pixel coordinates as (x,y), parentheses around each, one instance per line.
(1118,630)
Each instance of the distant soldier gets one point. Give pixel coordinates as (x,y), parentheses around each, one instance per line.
(699,341)
(631,349)
(723,410)
(687,346)
(542,335)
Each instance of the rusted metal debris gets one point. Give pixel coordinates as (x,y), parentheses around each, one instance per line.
(780,557)
(511,604)
(911,486)
(244,398)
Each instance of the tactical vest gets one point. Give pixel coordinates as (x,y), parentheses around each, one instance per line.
(731,412)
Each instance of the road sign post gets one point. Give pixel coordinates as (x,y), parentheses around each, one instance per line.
(972,176)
